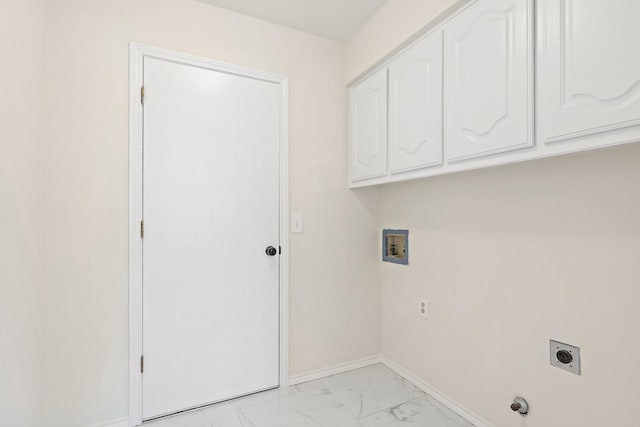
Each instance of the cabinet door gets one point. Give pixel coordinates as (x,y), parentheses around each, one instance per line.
(368,127)
(489,79)
(589,66)
(415,106)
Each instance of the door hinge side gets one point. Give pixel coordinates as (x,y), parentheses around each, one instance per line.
(142,364)
(142,95)
(142,229)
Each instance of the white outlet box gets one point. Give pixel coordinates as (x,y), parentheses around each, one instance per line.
(296,222)
(423,308)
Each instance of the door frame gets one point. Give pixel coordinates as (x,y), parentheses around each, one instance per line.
(137,52)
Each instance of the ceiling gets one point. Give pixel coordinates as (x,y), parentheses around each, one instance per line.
(333,19)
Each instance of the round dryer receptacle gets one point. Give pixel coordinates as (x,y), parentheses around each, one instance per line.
(564,357)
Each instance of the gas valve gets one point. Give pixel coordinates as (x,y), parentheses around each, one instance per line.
(520,405)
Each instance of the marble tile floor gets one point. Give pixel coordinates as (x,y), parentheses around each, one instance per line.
(373,396)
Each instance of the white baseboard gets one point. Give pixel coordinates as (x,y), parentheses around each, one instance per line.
(361,363)
(335,369)
(122,422)
(442,398)
(372,360)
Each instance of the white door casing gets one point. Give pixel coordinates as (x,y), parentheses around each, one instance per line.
(368,127)
(204,249)
(489,79)
(415,106)
(589,67)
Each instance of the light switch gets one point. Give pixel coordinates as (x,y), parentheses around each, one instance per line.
(296,223)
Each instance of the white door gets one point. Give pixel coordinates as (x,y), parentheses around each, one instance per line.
(489,79)
(211,207)
(415,106)
(589,66)
(368,127)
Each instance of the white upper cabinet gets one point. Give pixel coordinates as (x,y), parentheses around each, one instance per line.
(368,127)
(489,79)
(589,67)
(415,106)
(461,96)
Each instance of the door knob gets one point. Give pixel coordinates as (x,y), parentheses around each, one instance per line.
(271,251)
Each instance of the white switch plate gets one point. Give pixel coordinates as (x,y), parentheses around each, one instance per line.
(296,223)
(423,308)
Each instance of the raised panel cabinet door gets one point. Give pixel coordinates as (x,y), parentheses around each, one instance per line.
(368,127)
(589,66)
(415,106)
(489,79)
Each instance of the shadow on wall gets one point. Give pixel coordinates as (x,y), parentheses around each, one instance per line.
(575,193)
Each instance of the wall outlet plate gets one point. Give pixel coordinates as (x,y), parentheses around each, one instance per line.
(423,308)
(565,356)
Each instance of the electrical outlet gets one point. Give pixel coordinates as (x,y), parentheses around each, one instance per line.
(423,308)
(565,356)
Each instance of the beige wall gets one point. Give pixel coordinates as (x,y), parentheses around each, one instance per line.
(21,217)
(394,23)
(509,258)
(334,279)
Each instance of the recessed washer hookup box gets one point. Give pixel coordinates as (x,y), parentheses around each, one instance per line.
(395,246)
